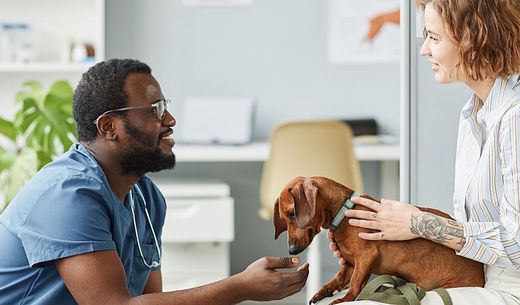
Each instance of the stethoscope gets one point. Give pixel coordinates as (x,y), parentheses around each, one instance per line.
(132,207)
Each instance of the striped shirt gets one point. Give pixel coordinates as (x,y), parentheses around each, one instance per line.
(487,175)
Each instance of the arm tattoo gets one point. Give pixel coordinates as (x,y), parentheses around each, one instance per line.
(436,228)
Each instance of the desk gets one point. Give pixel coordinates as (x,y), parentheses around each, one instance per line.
(387,153)
(259,152)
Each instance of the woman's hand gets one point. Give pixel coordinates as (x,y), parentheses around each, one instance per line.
(391,219)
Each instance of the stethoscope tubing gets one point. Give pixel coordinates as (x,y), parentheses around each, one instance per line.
(132,208)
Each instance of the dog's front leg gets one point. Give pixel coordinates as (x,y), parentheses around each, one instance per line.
(337,283)
(362,270)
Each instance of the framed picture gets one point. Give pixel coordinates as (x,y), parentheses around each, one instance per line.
(364,31)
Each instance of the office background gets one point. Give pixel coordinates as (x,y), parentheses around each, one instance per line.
(272,51)
(276,53)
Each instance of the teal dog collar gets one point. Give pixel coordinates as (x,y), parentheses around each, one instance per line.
(347,205)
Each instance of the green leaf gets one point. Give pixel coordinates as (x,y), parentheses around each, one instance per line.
(43,126)
(7,129)
(31,89)
(62,88)
(25,121)
(45,123)
(21,170)
(6,159)
(43,158)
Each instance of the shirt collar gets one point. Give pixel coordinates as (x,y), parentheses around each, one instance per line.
(93,164)
(495,102)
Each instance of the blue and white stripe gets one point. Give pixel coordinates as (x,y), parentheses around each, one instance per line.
(487,175)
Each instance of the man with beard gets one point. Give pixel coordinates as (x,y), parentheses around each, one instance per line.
(87,228)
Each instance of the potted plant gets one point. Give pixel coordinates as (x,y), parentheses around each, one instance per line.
(41,129)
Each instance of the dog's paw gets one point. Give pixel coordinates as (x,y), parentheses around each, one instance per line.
(346,298)
(321,294)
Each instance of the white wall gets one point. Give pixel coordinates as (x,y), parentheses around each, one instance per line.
(433,112)
(274,51)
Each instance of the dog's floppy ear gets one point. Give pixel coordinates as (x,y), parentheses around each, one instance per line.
(304,201)
(279,224)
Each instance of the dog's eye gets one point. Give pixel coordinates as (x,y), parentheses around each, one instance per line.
(292,215)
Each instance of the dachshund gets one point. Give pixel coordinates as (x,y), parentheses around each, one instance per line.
(307,204)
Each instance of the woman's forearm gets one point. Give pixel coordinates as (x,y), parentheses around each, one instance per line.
(447,232)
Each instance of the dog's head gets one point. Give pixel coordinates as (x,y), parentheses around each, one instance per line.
(295,212)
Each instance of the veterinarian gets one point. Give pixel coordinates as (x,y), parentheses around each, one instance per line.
(87,228)
(476,42)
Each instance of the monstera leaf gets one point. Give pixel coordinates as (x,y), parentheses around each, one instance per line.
(42,128)
(22,167)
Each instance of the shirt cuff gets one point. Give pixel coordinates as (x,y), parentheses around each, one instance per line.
(47,255)
(469,241)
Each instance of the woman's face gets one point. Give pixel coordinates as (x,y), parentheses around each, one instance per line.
(439,48)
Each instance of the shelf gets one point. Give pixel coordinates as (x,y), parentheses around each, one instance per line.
(44,67)
(259,151)
(53,26)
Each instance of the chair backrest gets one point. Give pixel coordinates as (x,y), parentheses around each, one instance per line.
(308,148)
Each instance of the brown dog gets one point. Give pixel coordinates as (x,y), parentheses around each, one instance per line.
(307,204)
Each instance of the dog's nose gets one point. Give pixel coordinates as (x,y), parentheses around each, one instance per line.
(293,249)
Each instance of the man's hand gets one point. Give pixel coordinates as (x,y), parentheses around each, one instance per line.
(334,248)
(261,281)
(99,278)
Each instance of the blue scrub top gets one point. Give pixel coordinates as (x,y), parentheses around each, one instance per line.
(68,209)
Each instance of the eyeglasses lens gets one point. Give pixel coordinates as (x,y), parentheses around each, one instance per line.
(162,107)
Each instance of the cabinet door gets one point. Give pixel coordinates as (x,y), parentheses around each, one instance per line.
(199,220)
(186,265)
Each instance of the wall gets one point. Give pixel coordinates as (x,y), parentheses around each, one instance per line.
(429,124)
(436,120)
(273,51)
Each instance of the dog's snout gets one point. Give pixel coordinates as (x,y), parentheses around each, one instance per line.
(294,249)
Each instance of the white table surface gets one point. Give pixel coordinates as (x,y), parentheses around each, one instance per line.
(259,152)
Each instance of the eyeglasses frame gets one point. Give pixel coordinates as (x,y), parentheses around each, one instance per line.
(154,105)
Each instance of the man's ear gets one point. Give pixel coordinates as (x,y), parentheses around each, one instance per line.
(106,126)
(279,224)
(304,195)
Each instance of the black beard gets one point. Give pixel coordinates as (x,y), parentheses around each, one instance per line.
(139,159)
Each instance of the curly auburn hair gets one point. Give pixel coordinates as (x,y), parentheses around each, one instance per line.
(487,33)
(100,89)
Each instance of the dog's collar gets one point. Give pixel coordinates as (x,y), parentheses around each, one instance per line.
(347,205)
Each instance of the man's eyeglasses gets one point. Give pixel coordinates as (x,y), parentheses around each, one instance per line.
(159,108)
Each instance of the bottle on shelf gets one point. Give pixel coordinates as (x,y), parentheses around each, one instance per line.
(15,42)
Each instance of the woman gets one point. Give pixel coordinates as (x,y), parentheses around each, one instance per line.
(476,42)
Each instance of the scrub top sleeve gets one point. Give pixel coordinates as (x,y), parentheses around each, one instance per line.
(70,217)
